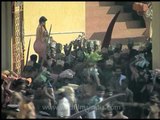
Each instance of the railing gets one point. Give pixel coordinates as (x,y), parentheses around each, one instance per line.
(57,33)
(32,37)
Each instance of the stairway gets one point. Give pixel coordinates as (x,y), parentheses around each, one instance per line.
(128,25)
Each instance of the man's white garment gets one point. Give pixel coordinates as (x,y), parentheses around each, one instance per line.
(63,108)
(122,77)
(92,115)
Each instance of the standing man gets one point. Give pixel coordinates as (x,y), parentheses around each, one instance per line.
(95,100)
(40,42)
(63,107)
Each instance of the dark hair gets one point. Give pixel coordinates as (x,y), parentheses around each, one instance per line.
(45,64)
(33,57)
(101,88)
(109,89)
(29,92)
(2,80)
(119,107)
(42,19)
(125,81)
(19,82)
(62,94)
(139,68)
(67,66)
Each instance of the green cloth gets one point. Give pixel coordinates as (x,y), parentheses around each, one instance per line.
(42,77)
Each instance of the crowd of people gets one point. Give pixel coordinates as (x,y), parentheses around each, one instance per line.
(72,79)
(83,76)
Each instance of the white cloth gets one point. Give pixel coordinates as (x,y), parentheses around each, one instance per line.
(63,108)
(92,114)
(122,77)
(67,74)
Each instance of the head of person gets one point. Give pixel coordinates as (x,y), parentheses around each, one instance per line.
(147,75)
(100,91)
(109,64)
(75,44)
(116,57)
(104,50)
(118,107)
(61,95)
(154,97)
(42,20)
(58,47)
(80,56)
(108,92)
(118,47)
(107,112)
(30,71)
(89,46)
(130,44)
(95,45)
(79,43)
(118,71)
(29,95)
(33,57)
(148,46)
(110,50)
(19,84)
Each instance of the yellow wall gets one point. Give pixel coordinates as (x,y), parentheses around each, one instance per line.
(64,17)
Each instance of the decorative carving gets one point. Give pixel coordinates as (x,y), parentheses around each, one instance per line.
(18,32)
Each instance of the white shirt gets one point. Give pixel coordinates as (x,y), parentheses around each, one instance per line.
(63,108)
(92,114)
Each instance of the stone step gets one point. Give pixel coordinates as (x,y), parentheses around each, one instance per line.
(114,9)
(104,10)
(129,33)
(108,17)
(100,14)
(102,26)
(100,3)
(90,4)
(106,3)
(128,25)
(124,41)
(123,17)
(125,3)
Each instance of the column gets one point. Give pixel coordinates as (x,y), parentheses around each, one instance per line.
(156,35)
(6,32)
